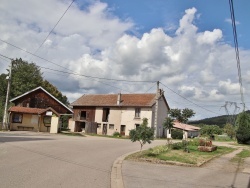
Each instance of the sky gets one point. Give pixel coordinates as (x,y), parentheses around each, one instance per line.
(113,46)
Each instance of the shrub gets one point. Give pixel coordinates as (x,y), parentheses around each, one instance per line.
(176,134)
(177,146)
(116,134)
(243,131)
(157,150)
(210,130)
(194,142)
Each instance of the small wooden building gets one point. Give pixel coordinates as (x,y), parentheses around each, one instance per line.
(35,110)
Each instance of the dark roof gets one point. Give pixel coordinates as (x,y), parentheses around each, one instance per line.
(41,88)
(140,100)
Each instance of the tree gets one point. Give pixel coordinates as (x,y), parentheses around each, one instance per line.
(55,92)
(210,130)
(143,134)
(181,115)
(25,77)
(229,130)
(243,131)
(168,124)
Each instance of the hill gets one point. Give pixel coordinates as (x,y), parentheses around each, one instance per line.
(218,120)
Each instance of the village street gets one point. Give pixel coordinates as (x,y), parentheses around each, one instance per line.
(29,159)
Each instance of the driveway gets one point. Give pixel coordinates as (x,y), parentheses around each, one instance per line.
(29,159)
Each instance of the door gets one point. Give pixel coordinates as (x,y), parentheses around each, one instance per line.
(123,129)
(104,129)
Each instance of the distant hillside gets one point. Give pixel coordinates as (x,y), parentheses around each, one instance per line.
(219,120)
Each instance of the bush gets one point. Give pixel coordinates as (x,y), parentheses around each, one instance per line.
(243,131)
(210,130)
(177,146)
(157,150)
(116,134)
(176,134)
(194,142)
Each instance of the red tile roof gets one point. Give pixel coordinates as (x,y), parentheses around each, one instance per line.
(144,100)
(26,110)
(185,127)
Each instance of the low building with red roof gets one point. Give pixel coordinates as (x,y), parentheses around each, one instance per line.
(190,131)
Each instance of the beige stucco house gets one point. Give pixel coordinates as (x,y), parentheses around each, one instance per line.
(119,112)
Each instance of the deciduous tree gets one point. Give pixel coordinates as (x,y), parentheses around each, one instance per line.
(143,134)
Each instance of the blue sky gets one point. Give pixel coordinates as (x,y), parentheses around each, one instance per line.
(186,45)
(148,14)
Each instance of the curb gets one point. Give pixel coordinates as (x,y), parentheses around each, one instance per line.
(116,171)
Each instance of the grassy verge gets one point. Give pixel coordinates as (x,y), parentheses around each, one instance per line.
(245,153)
(109,136)
(161,154)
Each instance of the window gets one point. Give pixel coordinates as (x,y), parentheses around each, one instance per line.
(105,115)
(136,126)
(111,126)
(83,115)
(99,125)
(17,118)
(137,113)
(47,120)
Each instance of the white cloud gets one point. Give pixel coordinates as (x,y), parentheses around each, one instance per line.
(92,41)
(228,20)
(229,88)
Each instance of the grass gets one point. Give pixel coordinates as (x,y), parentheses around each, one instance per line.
(194,158)
(245,153)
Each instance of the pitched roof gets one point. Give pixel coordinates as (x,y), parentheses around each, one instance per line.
(45,92)
(141,100)
(185,127)
(26,110)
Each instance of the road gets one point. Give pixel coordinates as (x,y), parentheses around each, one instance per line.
(29,159)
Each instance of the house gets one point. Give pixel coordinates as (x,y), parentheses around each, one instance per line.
(119,112)
(190,131)
(37,110)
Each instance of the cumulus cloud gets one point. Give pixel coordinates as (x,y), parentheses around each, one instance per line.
(92,42)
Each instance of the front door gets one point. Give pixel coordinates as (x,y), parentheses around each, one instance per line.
(123,129)
(104,129)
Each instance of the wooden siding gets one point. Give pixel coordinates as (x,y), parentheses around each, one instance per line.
(40,99)
(90,114)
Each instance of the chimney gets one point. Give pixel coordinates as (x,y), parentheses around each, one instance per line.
(119,99)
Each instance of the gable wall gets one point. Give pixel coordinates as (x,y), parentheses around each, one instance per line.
(40,99)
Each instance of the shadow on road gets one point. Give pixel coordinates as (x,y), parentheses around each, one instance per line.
(20,138)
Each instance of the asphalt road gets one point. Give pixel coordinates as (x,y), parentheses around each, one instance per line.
(30,159)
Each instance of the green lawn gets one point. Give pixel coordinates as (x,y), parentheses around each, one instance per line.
(194,157)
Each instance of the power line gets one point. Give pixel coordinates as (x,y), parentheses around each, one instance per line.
(6,57)
(54,27)
(237,51)
(122,80)
(189,100)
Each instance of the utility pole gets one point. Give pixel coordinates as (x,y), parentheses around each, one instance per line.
(156,109)
(5,119)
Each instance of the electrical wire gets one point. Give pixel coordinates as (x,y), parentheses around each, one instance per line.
(54,27)
(237,51)
(190,100)
(102,78)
